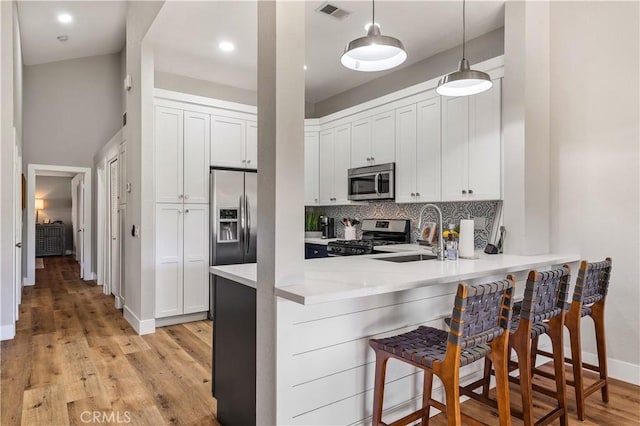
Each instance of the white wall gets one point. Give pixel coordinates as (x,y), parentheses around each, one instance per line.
(139,263)
(72,108)
(184,84)
(56,193)
(594,159)
(10,117)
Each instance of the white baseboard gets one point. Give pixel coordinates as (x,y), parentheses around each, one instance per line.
(140,326)
(26,281)
(119,302)
(68,252)
(179,319)
(90,276)
(7,332)
(620,370)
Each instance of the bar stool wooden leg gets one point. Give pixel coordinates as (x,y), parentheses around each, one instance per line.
(500,357)
(426,396)
(555,333)
(598,319)
(534,354)
(576,360)
(522,346)
(378,387)
(451,382)
(487,377)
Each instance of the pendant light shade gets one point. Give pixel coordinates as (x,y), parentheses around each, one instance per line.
(465,81)
(373,52)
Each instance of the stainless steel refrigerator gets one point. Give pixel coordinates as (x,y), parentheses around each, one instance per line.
(233,218)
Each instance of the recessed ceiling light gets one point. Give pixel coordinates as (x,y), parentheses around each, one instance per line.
(226,46)
(63,37)
(65,18)
(305,67)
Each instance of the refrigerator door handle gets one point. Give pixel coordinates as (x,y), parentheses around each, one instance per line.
(247,228)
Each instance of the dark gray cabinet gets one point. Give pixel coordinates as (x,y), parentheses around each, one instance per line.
(50,239)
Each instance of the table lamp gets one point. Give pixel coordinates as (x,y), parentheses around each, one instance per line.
(39,206)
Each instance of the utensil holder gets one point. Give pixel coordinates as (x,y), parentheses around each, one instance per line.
(350,233)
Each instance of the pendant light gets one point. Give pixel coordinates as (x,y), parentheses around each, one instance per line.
(373,52)
(465,81)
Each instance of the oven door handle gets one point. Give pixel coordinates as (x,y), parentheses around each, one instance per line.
(376,182)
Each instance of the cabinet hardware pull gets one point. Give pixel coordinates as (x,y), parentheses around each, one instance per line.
(248,161)
(186,197)
(471,191)
(368,159)
(464,191)
(413,194)
(373,159)
(186,211)
(417,194)
(180,196)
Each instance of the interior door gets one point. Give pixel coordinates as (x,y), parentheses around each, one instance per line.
(114,233)
(81,219)
(17,202)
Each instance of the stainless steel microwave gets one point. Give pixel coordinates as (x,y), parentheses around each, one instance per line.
(372,183)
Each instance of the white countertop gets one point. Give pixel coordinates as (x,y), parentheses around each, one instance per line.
(321,241)
(337,278)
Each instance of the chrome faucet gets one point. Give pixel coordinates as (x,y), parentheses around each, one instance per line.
(440,250)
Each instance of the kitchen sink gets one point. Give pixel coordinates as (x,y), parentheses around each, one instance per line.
(408,258)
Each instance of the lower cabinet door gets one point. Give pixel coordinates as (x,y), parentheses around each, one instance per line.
(196,258)
(169,266)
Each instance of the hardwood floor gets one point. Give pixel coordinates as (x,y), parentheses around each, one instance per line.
(75,357)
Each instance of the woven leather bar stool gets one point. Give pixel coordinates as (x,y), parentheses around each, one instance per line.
(479,328)
(589,298)
(542,311)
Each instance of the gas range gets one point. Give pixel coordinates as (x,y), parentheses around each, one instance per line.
(375,232)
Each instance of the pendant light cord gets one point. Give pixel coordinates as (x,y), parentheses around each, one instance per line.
(373,9)
(464,26)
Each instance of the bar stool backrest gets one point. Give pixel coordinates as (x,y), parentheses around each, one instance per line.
(546,294)
(481,312)
(592,284)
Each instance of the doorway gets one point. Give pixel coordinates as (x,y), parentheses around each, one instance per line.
(82,233)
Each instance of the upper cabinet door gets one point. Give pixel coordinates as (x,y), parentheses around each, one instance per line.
(196,157)
(485,144)
(455,137)
(406,138)
(311,168)
(196,258)
(428,151)
(252,145)
(361,143)
(228,140)
(383,138)
(326,166)
(168,155)
(341,166)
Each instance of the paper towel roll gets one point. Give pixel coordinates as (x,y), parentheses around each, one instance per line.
(466,246)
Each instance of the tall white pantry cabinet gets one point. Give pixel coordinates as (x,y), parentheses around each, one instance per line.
(181,160)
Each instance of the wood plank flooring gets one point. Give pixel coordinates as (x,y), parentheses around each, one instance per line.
(74,355)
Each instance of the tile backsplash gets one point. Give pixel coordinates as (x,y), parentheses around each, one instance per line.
(452,212)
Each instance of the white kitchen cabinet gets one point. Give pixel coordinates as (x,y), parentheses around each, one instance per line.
(182,259)
(311,168)
(196,158)
(181,156)
(195,258)
(373,140)
(471,146)
(252,145)
(335,148)
(169,139)
(418,152)
(234,143)
(169,265)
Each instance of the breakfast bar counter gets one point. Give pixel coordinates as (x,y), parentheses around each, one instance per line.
(325,367)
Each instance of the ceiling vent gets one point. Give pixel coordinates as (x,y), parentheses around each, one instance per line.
(328,9)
